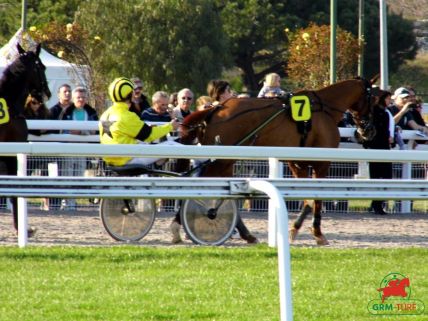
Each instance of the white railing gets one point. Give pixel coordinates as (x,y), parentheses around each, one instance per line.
(60,125)
(406,172)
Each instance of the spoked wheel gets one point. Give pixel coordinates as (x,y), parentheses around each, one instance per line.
(209,222)
(127,220)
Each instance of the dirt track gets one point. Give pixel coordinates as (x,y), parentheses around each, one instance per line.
(84,228)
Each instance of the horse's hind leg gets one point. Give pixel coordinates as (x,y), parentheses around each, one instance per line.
(316,224)
(244,233)
(320,170)
(299,170)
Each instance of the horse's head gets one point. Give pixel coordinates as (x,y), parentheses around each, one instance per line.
(34,70)
(362,110)
(192,128)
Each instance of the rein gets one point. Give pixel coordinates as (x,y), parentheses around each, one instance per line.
(259,128)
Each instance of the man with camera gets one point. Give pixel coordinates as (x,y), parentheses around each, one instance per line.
(401,110)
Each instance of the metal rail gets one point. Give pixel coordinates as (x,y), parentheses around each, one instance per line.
(198,187)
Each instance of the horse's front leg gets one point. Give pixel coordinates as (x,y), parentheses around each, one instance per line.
(316,224)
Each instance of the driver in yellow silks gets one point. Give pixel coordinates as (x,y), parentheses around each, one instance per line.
(119,125)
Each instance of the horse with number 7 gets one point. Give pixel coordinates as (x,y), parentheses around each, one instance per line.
(306,118)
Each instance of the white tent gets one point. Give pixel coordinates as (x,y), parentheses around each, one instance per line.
(58,71)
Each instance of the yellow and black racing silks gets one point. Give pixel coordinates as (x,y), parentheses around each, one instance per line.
(118,125)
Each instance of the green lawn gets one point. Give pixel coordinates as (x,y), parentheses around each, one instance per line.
(197,283)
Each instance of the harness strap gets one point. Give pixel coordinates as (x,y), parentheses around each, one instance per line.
(259,128)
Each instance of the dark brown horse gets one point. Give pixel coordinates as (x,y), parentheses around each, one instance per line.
(25,74)
(268,122)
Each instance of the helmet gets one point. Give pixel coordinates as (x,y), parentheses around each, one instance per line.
(120,89)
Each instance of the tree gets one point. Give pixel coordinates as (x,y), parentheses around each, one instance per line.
(255,32)
(72,43)
(170,44)
(401,39)
(39,12)
(309,56)
(255,29)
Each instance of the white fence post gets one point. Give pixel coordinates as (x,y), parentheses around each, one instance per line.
(275,171)
(22,204)
(407,174)
(284,264)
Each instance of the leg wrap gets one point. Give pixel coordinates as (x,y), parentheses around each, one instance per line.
(316,222)
(299,221)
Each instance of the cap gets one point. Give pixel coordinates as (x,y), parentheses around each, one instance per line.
(137,82)
(120,89)
(401,93)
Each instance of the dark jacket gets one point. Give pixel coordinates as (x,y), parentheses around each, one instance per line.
(67,114)
(381,123)
(55,111)
(151,115)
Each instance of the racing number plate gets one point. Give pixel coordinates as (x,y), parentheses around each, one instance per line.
(300,108)
(4,112)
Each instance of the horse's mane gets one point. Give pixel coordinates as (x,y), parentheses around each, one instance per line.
(10,74)
(198,116)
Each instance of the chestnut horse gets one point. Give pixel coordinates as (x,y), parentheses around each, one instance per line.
(268,122)
(25,74)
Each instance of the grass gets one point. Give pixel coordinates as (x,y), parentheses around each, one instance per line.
(198,283)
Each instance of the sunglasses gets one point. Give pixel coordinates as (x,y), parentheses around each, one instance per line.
(186,98)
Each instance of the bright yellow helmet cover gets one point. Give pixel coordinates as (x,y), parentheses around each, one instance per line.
(120,88)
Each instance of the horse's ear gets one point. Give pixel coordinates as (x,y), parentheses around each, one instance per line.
(38,49)
(374,79)
(20,49)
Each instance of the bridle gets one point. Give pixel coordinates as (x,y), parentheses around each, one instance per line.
(39,71)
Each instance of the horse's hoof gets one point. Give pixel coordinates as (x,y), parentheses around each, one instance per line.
(292,234)
(175,231)
(251,239)
(30,232)
(319,238)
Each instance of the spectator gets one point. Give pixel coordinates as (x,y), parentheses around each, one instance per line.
(382,140)
(271,86)
(203,102)
(36,109)
(416,107)
(140,101)
(172,102)
(64,101)
(79,110)
(184,102)
(402,115)
(219,91)
(118,125)
(159,111)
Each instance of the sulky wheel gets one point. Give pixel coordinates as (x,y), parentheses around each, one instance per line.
(127,220)
(209,221)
